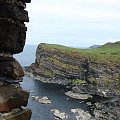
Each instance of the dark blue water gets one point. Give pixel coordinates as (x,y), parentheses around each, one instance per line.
(56,95)
(53,91)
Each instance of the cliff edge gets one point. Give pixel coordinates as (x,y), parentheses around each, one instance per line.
(65,65)
(93,74)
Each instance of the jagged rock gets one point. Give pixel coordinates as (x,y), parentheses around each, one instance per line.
(9,67)
(12,37)
(81,114)
(12,41)
(108,110)
(16,114)
(18,3)
(12,97)
(12,11)
(5,22)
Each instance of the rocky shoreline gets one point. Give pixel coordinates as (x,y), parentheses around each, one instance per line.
(101,107)
(94,82)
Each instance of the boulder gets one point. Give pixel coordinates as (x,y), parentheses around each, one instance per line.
(12,97)
(59,115)
(10,68)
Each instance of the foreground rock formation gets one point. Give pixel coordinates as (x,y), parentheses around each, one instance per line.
(96,81)
(12,41)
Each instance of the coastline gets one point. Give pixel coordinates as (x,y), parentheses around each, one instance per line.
(101,106)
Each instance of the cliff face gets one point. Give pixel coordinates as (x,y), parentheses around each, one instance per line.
(12,40)
(69,65)
(93,74)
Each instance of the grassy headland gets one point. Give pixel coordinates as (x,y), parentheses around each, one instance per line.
(110,52)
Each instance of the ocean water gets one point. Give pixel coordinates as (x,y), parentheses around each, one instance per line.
(27,56)
(53,91)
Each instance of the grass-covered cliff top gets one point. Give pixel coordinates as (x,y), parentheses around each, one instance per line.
(109,52)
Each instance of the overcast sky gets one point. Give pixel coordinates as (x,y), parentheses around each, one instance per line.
(73,22)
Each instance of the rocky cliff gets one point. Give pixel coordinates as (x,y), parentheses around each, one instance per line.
(12,40)
(68,64)
(89,72)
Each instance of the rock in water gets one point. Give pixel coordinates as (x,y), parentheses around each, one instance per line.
(59,115)
(78,95)
(43,100)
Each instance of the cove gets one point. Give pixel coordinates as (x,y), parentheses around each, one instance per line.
(56,94)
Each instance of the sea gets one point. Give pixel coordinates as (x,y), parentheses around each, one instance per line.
(54,92)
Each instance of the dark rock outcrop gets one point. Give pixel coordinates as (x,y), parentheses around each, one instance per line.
(71,66)
(86,77)
(12,41)
(16,114)
(108,110)
(12,97)
(12,36)
(10,68)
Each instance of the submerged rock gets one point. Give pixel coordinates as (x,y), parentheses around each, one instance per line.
(43,100)
(78,95)
(59,115)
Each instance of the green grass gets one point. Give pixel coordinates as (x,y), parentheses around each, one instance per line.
(78,81)
(109,52)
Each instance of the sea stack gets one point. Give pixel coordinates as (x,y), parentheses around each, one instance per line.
(12,41)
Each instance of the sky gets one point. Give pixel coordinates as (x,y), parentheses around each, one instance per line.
(79,23)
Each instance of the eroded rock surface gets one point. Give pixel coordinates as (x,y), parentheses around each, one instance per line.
(12,97)
(16,114)
(10,68)
(12,41)
(99,79)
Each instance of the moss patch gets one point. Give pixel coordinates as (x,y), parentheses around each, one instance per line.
(78,81)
